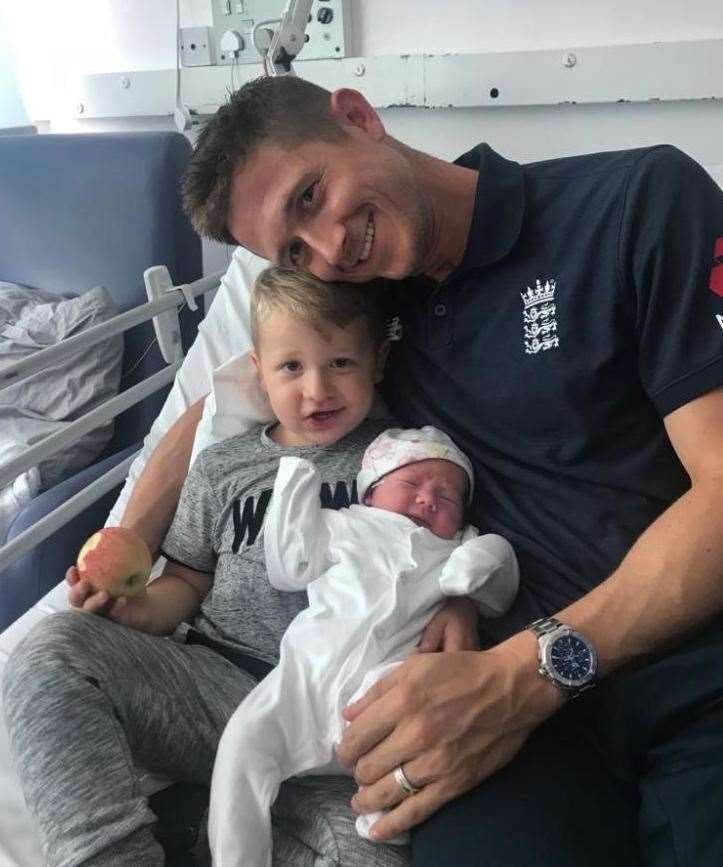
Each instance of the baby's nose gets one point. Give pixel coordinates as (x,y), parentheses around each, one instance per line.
(427,499)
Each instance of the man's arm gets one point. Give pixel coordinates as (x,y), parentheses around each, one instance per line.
(155,496)
(671,579)
(455,721)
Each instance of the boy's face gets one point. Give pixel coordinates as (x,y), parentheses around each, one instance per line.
(320,383)
(431,493)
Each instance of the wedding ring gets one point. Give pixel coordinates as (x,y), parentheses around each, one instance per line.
(403,782)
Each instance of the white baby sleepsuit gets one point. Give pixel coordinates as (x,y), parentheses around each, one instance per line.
(374,580)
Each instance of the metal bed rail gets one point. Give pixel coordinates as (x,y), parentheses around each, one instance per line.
(163,310)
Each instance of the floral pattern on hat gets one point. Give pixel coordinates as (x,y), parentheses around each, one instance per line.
(397,447)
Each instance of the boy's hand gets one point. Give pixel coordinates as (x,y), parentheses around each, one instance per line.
(127,611)
(453,627)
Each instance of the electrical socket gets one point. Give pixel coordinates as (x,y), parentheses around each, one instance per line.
(196,46)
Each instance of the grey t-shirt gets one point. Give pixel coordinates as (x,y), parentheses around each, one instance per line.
(218,529)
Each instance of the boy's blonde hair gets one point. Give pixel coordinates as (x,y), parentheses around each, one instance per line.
(315,302)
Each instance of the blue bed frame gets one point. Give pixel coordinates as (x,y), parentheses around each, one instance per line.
(77,211)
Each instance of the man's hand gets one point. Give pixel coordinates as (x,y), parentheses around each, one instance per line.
(452,720)
(453,627)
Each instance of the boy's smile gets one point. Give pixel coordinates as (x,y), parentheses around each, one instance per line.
(319,380)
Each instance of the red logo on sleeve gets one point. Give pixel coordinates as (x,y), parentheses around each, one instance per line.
(716,274)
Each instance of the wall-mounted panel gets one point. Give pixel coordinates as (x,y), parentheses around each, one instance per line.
(605,74)
(327,31)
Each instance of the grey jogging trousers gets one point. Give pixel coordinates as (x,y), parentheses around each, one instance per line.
(87,700)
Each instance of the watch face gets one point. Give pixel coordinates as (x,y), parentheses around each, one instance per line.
(571,660)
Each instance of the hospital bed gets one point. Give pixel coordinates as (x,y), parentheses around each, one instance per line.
(76,212)
(223,333)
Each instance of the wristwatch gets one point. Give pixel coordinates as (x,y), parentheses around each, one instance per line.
(566,657)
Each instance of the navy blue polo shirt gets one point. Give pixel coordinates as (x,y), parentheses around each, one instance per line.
(588,305)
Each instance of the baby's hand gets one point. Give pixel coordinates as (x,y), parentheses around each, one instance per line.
(453,627)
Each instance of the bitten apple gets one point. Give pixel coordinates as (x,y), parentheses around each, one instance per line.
(117,560)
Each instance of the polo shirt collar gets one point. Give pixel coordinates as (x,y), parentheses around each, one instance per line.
(498,208)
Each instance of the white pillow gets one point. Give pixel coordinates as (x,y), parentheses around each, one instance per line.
(224,333)
(235,404)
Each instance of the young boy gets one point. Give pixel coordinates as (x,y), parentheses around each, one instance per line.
(319,350)
(375,574)
(87,698)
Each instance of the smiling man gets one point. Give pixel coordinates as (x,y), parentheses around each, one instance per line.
(558,321)
(345,203)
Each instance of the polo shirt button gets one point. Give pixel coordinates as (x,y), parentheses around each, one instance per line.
(440,310)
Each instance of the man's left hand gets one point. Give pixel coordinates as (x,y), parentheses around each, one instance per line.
(453,627)
(450,720)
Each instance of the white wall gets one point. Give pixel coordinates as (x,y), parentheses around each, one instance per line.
(57,41)
(527,134)
(388,27)
(12,111)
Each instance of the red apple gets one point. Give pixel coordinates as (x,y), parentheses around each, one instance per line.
(117,560)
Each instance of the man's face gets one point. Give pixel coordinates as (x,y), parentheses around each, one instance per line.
(347,210)
(430,493)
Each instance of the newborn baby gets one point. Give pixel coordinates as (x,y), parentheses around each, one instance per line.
(375,574)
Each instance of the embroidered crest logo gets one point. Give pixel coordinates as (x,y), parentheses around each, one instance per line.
(394,329)
(538,317)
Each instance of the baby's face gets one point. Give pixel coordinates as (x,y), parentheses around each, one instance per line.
(431,493)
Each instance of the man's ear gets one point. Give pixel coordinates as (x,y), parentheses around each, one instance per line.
(255,359)
(382,355)
(350,107)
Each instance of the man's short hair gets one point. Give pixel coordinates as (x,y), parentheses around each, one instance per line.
(284,110)
(316,302)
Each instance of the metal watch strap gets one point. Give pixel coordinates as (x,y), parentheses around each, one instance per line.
(544,625)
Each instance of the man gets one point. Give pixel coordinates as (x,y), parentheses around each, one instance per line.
(562,322)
